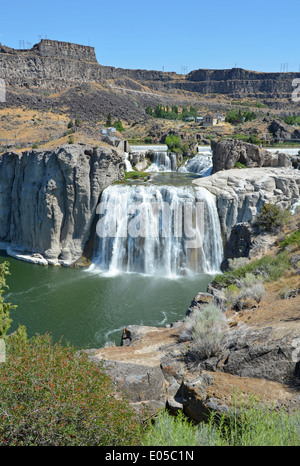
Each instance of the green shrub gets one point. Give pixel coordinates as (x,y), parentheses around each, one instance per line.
(173,142)
(270,268)
(259,426)
(52,396)
(237,262)
(254,425)
(271,218)
(178,431)
(291,240)
(206,327)
(5,308)
(248,287)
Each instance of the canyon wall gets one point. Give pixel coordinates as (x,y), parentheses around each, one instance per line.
(55,64)
(48,199)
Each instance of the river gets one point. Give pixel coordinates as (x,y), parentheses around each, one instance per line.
(90,308)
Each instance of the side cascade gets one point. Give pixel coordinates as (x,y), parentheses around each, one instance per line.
(163,162)
(200,164)
(157,230)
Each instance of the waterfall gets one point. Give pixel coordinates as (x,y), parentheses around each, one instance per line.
(158,230)
(163,162)
(200,164)
(128,166)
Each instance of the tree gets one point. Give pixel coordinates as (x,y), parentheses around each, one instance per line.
(271,218)
(149,110)
(109,120)
(5,308)
(173,142)
(118,125)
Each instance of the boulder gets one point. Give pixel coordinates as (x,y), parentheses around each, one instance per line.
(228,152)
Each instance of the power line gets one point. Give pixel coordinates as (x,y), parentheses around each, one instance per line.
(184,69)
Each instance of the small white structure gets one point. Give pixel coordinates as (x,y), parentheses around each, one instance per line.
(111,131)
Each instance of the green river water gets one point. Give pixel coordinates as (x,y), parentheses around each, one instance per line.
(87,309)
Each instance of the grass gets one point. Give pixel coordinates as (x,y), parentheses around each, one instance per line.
(292,240)
(270,268)
(135,175)
(252,426)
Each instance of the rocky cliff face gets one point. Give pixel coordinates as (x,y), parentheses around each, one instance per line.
(54,63)
(48,199)
(241,192)
(228,152)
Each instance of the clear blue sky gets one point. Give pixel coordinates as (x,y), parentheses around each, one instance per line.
(258,34)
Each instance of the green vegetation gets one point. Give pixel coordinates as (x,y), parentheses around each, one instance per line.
(252,139)
(271,218)
(178,431)
(248,287)
(255,425)
(5,308)
(118,125)
(135,175)
(173,142)
(268,267)
(171,113)
(205,327)
(291,240)
(109,120)
(292,120)
(239,165)
(237,117)
(52,396)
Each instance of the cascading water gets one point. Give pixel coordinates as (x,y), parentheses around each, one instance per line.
(163,162)
(158,230)
(201,163)
(128,166)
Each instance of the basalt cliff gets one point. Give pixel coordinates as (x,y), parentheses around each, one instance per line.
(32,76)
(48,200)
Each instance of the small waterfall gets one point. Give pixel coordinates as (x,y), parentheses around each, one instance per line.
(163,162)
(200,164)
(128,166)
(158,230)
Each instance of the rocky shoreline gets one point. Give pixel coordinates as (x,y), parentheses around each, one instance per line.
(157,370)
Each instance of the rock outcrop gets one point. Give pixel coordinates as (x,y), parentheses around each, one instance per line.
(156,369)
(48,199)
(228,152)
(241,192)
